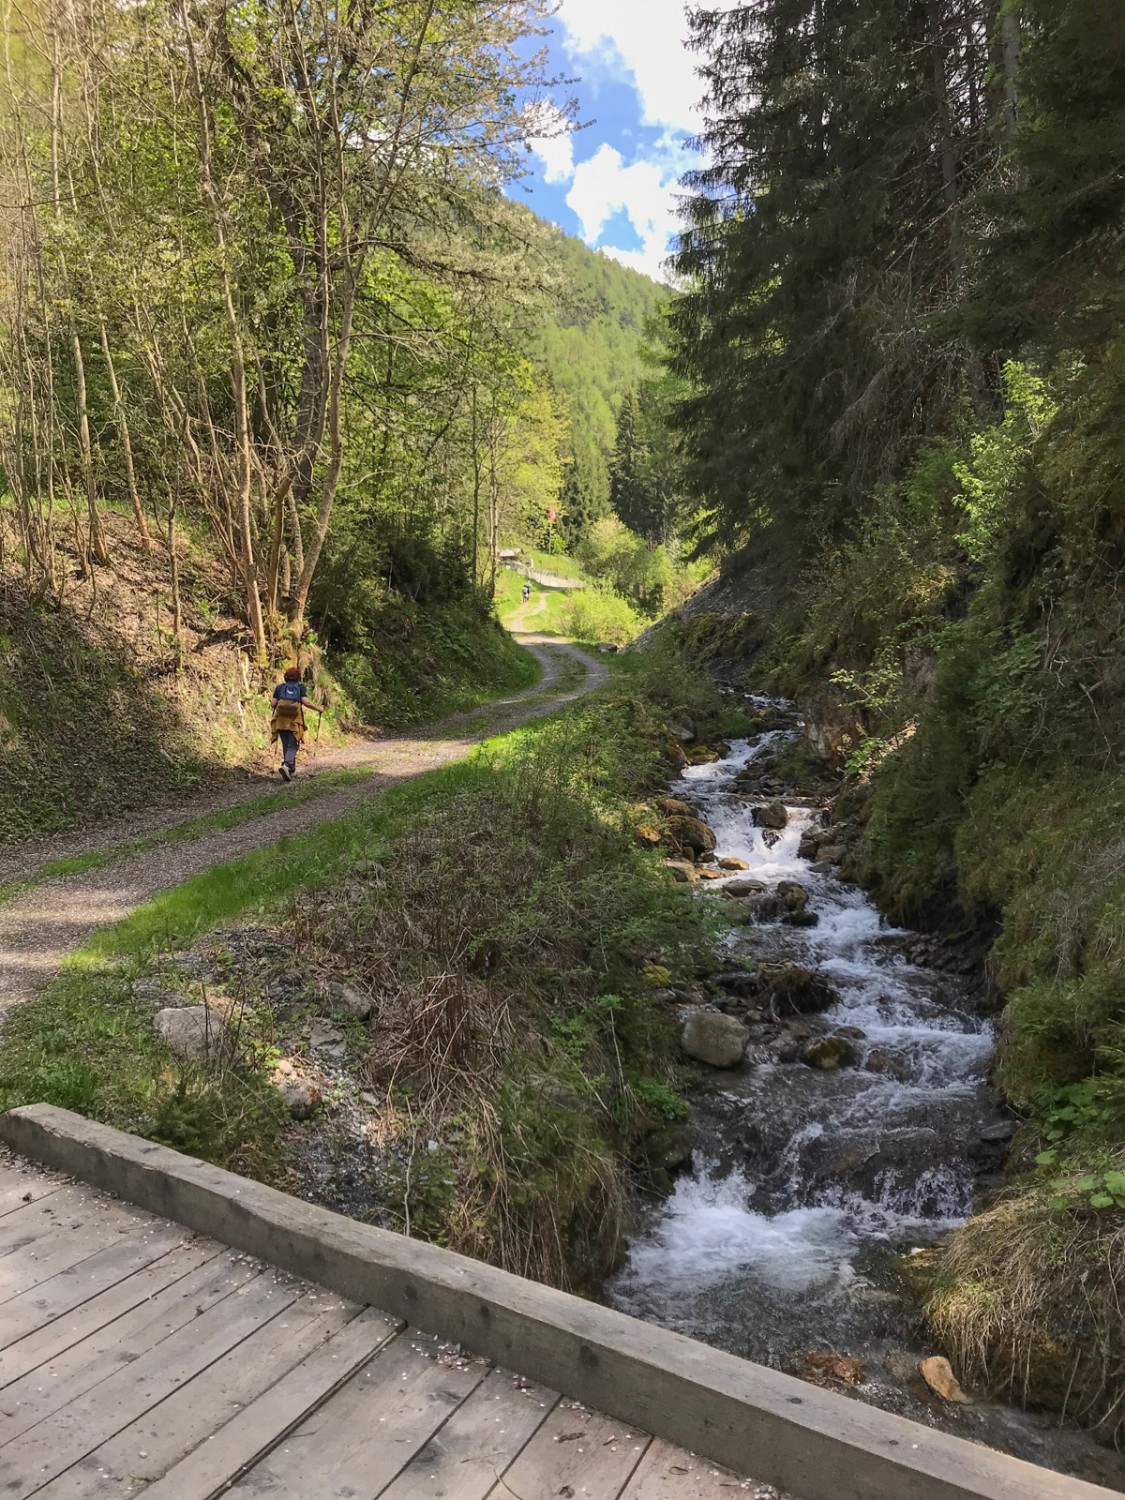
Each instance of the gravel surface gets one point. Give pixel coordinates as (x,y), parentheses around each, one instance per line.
(39,928)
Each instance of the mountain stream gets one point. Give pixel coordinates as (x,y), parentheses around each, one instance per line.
(807,1188)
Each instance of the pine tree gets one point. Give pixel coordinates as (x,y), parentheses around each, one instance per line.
(825,233)
(1053,243)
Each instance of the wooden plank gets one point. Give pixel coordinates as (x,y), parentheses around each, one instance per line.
(257,1425)
(45,1389)
(51,1447)
(50,1317)
(465,1457)
(20,1184)
(356,1443)
(575,1452)
(41,1250)
(667,1473)
(68,1208)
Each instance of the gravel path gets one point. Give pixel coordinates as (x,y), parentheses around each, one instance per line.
(39,928)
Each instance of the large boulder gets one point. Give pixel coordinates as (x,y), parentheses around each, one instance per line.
(797,990)
(771,815)
(691,834)
(712,1038)
(195,1033)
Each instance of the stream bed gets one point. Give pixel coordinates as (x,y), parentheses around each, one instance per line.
(784,1237)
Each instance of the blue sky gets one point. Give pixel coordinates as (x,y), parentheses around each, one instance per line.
(614,183)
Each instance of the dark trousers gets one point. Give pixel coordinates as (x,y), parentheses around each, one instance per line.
(288,748)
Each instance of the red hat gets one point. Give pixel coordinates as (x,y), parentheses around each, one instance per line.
(292,674)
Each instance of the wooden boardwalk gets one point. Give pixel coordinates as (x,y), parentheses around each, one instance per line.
(138,1357)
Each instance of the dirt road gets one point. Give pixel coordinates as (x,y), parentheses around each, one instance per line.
(39,928)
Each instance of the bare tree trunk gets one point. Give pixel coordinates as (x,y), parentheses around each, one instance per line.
(177,610)
(126,440)
(249,562)
(300,596)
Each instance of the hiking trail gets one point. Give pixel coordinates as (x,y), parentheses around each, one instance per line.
(39,927)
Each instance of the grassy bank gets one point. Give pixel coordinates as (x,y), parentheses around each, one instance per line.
(515,947)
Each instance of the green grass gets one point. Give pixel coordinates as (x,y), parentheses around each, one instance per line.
(188,831)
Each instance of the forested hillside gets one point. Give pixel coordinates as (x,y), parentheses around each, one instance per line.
(271,387)
(903,339)
(589,344)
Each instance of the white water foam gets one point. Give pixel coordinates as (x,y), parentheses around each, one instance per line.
(709,1233)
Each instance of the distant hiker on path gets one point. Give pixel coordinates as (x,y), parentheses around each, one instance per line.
(290,699)
(526,592)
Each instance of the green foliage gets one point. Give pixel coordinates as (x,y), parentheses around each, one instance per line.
(999,456)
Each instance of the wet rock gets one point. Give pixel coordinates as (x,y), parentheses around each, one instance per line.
(821,867)
(798,990)
(351,1003)
(879,1061)
(300,1097)
(681,871)
(1003,1130)
(829,1053)
(810,843)
(744,887)
(712,1038)
(853,1032)
(832,1371)
(691,834)
(703,755)
(831,855)
(794,895)
(802,919)
(938,1375)
(771,815)
(668,1148)
(675,807)
(710,875)
(195,1033)
(728,862)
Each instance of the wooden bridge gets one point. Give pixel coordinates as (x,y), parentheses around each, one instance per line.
(197,1335)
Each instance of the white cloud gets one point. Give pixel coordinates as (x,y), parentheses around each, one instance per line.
(648,37)
(555,147)
(603,186)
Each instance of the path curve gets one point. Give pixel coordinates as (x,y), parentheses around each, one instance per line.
(39,928)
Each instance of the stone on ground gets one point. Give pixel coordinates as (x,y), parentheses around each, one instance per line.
(301,1098)
(712,1038)
(351,1003)
(194,1033)
(938,1375)
(728,862)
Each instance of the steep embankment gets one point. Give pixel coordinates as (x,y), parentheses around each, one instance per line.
(113,700)
(967,687)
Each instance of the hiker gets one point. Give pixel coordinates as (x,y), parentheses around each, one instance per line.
(290,699)
(526,592)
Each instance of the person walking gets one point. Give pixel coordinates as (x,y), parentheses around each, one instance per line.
(290,699)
